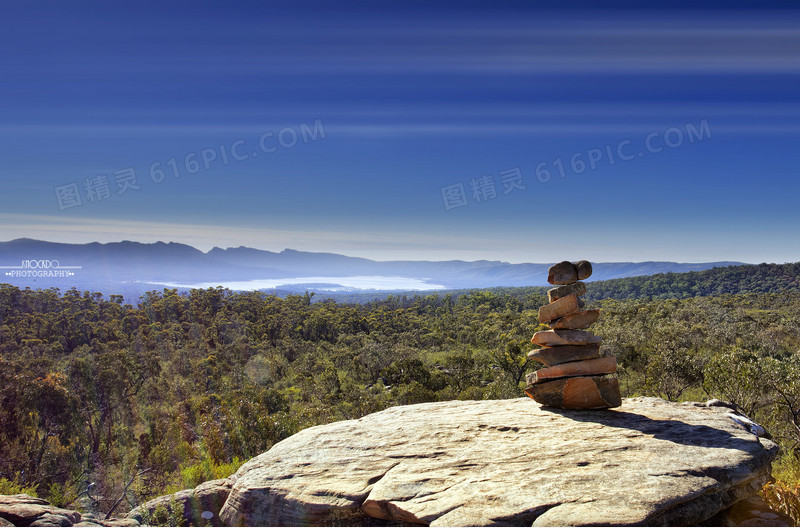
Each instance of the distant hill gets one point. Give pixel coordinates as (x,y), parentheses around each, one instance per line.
(132,268)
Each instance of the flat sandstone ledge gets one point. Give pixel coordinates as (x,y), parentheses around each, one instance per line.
(24,510)
(508,462)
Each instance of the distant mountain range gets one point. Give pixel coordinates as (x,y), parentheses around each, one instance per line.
(132,268)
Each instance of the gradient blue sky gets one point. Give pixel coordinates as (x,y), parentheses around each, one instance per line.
(412,99)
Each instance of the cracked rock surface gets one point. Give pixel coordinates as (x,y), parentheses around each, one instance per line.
(507,462)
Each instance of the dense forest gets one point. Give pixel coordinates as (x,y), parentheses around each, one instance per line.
(747,278)
(761,278)
(104,405)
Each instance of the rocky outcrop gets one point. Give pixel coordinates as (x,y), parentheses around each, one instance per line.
(198,507)
(24,510)
(508,462)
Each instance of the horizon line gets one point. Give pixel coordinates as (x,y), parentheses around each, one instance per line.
(728,262)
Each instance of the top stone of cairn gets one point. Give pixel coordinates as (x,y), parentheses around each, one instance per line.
(568,272)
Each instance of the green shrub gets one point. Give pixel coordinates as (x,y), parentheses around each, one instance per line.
(171,515)
(13,487)
(206,469)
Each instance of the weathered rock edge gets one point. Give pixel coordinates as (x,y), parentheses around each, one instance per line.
(24,510)
(507,462)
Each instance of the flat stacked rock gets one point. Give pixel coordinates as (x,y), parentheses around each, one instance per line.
(576,375)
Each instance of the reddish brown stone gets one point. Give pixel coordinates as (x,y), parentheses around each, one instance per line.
(584,269)
(590,367)
(575,320)
(562,273)
(560,308)
(551,338)
(550,356)
(584,392)
(554,294)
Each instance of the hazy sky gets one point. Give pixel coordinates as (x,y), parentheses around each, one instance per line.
(517,131)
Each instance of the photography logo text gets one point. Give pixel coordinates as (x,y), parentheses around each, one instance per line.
(40,268)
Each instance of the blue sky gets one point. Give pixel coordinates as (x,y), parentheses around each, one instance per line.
(575,130)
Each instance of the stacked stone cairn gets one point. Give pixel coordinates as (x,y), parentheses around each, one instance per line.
(576,375)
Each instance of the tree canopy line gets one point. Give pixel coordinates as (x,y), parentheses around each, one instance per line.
(104,405)
(749,278)
(746,278)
